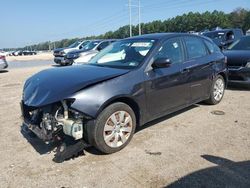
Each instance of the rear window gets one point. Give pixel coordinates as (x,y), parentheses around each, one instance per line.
(195,47)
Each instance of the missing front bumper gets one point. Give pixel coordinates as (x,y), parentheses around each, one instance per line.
(68,136)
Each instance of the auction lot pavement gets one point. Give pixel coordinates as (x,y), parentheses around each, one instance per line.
(191,148)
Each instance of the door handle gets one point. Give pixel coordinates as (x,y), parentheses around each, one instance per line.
(186,70)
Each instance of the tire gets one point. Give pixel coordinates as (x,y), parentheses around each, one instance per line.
(115,135)
(217,90)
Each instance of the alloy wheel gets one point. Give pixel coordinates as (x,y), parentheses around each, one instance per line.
(118,129)
(219,88)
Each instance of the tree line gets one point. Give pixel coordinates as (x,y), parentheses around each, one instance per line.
(239,18)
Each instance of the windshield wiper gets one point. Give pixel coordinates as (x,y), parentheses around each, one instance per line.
(96,64)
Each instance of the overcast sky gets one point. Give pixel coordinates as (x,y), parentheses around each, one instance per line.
(25,22)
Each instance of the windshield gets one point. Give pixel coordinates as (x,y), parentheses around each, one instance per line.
(85,43)
(241,44)
(126,54)
(75,44)
(91,45)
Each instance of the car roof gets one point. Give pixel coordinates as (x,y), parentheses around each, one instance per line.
(163,36)
(105,40)
(222,30)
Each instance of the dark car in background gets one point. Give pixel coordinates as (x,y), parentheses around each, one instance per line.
(238,61)
(23,52)
(59,53)
(129,83)
(28,52)
(224,37)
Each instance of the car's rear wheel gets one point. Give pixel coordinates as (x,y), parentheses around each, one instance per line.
(217,90)
(113,129)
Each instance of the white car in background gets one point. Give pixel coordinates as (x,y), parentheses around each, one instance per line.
(3,62)
(3,53)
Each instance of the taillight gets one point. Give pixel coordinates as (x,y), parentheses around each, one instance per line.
(2,57)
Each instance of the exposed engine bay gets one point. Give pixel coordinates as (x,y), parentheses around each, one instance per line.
(57,122)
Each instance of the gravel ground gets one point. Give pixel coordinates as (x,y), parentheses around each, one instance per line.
(190,148)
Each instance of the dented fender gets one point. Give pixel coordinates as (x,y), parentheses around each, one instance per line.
(91,101)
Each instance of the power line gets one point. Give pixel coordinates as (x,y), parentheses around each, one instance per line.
(157,4)
(106,20)
(130,19)
(180,5)
(139,16)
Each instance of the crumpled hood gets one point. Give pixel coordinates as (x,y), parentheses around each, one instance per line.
(55,84)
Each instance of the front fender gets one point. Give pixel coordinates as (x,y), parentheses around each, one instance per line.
(92,100)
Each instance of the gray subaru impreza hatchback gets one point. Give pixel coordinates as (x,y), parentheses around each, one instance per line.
(129,83)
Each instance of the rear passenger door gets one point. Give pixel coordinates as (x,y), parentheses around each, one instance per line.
(198,67)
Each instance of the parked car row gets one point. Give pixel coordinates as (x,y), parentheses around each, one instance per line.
(81,53)
(20,53)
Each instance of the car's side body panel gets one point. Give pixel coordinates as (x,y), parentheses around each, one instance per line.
(156,91)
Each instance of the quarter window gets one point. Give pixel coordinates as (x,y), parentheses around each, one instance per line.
(212,47)
(171,49)
(195,47)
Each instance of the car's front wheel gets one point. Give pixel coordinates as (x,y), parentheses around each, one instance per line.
(217,90)
(113,128)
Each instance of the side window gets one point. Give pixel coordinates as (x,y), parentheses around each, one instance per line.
(102,46)
(195,47)
(172,49)
(211,47)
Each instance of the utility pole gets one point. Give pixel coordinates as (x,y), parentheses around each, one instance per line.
(139,16)
(49,46)
(130,18)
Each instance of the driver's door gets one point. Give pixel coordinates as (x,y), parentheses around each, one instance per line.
(167,88)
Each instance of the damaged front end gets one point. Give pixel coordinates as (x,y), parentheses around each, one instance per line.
(57,122)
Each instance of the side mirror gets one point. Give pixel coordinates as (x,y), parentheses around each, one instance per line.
(161,63)
(80,47)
